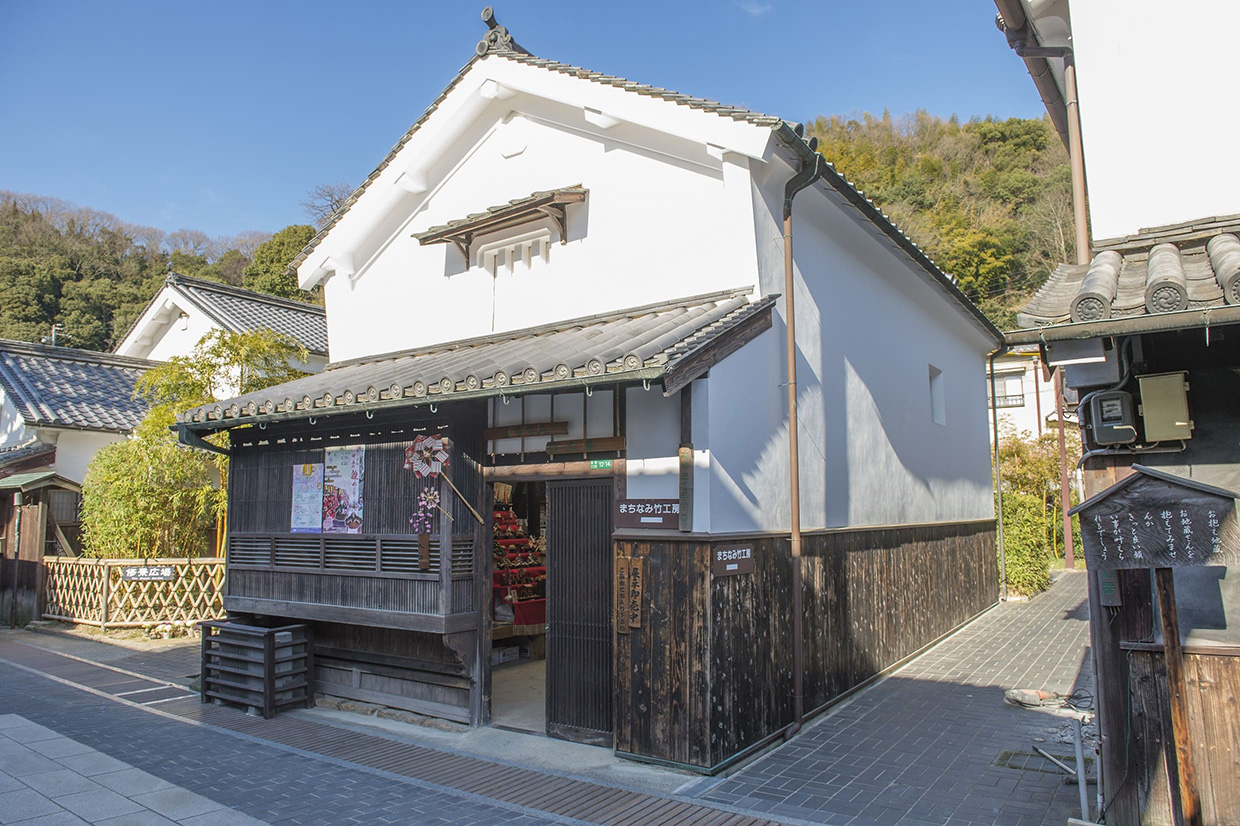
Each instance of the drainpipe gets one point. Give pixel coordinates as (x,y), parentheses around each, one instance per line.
(994,423)
(17,551)
(811,170)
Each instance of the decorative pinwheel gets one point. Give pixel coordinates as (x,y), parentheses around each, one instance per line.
(428,455)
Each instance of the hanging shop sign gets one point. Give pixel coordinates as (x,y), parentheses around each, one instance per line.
(648,514)
(147,573)
(344,474)
(637,577)
(1157,520)
(622,594)
(728,561)
(307,511)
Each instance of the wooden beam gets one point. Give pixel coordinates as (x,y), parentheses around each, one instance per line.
(585,446)
(547,470)
(697,362)
(685,457)
(526,429)
(1177,692)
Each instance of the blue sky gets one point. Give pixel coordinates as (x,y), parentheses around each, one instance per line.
(219,116)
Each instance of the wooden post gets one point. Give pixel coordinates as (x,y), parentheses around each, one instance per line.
(105,595)
(685,455)
(1190,803)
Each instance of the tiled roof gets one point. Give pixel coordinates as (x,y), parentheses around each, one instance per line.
(67,388)
(1165,270)
(492,47)
(514,207)
(242,310)
(646,343)
(30,454)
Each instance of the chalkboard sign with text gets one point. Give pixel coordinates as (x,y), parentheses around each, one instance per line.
(1153,519)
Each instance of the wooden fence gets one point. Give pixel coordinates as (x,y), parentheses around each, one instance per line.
(120,592)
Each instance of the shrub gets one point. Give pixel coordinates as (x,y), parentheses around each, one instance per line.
(1024,541)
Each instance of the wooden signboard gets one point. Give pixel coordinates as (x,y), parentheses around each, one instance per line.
(637,576)
(728,561)
(1153,519)
(648,514)
(622,594)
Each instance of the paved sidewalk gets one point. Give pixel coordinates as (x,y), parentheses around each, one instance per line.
(936,743)
(46,778)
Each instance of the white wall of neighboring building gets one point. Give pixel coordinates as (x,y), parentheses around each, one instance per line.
(1025,400)
(75,450)
(1156,120)
(12,426)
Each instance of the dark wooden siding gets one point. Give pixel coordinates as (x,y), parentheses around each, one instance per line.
(400,669)
(709,675)
(663,667)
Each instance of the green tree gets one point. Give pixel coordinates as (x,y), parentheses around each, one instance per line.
(149,496)
(268,272)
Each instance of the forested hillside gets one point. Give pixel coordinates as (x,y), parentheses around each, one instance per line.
(92,273)
(989,200)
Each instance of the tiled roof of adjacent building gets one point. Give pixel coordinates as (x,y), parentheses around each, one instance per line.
(242,311)
(671,342)
(66,388)
(1147,280)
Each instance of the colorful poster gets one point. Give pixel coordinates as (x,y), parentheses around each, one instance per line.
(344,471)
(307,498)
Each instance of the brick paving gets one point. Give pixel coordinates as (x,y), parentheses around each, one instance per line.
(936,743)
(259,782)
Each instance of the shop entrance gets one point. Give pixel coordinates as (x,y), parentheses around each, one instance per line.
(552,649)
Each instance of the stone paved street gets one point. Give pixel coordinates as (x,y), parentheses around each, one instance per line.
(936,743)
(932,744)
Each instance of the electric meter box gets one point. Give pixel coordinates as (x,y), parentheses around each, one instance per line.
(1164,406)
(1112,419)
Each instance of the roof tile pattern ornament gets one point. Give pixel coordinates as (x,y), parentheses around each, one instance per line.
(497,38)
(1193,266)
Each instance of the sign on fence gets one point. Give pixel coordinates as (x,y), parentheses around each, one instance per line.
(148,573)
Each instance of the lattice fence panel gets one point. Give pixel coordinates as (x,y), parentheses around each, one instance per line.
(76,591)
(73,589)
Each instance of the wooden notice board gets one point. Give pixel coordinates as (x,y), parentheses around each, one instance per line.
(1153,519)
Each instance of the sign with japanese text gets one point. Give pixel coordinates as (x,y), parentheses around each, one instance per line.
(728,561)
(344,474)
(637,577)
(622,594)
(1156,520)
(148,573)
(307,511)
(648,514)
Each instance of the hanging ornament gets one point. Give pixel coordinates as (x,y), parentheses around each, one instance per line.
(428,455)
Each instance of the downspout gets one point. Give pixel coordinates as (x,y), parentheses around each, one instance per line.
(994,424)
(811,170)
(17,551)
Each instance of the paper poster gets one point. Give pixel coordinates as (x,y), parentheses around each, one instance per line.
(307,498)
(344,470)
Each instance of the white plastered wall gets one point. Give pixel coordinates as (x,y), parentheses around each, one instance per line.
(868,329)
(12,426)
(1156,118)
(664,219)
(75,449)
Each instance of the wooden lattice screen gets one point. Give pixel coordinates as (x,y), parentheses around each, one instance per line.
(95,591)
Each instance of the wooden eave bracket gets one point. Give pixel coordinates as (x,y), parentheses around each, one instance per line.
(699,360)
(462,234)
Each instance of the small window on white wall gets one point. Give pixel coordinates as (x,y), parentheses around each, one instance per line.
(938,402)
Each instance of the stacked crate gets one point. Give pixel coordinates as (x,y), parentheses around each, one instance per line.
(264,669)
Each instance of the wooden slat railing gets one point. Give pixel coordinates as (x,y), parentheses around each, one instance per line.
(94,591)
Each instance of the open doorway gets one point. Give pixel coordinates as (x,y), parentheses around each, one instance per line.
(552,633)
(519,607)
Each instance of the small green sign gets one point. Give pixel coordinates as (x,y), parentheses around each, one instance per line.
(600,464)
